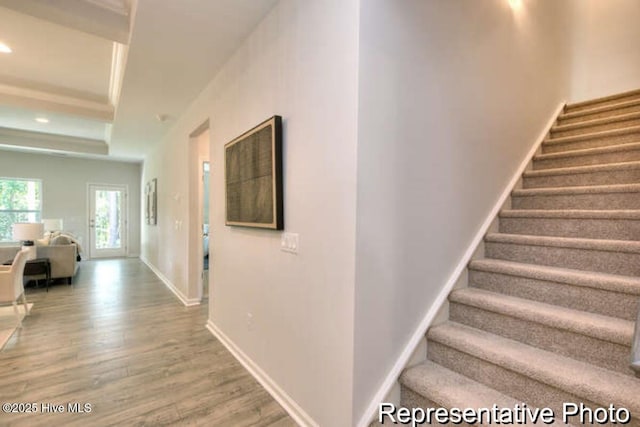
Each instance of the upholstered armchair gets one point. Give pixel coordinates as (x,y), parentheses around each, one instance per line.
(11,284)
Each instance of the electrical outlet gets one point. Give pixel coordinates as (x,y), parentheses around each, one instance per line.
(289,242)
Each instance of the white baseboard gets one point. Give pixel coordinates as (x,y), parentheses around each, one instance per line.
(293,409)
(186,301)
(392,377)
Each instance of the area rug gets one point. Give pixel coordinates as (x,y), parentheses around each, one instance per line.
(8,322)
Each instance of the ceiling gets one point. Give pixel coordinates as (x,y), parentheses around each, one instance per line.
(101,72)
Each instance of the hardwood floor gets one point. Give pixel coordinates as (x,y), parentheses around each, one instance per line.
(120,341)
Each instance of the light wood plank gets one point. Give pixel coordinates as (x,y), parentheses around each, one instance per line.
(118,339)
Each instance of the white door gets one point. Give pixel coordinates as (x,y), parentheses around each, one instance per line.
(107,220)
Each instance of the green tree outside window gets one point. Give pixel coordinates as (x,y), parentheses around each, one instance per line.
(20,201)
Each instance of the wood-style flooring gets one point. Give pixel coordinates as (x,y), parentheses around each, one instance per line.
(120,341)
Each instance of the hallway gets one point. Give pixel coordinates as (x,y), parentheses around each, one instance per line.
(120,341)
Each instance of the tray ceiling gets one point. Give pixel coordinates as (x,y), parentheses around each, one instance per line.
(100,71)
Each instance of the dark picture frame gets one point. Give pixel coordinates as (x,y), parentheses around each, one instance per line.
(253,177)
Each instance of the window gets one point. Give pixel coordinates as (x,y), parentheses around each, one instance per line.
(20,201)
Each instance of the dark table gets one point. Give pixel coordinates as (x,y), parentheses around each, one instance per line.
(37,267)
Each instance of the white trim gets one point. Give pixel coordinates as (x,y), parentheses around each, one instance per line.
(392,377)
(89,16)
(114,6)
(186,301)
(118,59)
(58,103)
(293,409)
(196,210)
(30,140)
(204,126)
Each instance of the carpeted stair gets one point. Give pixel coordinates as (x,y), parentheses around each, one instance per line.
(548,315)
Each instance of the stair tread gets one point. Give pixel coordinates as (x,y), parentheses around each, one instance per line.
(566,242)
(598,109)
(605,328)
(596,122)
(450,389)
(576,170)
(619,130)
(598,385)
(633,214)
(591,135)
(597,280)
(587,189)
(611,97)
(589,151)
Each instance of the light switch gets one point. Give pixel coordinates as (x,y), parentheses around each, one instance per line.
(289,242)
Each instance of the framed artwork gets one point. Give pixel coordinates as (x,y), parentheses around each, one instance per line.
(147,204)
(151,208)
(253,177)
(153,215)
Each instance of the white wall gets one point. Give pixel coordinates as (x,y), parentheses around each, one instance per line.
(433,103)
(604,40)
(452,96)
(300,63)
(64,188)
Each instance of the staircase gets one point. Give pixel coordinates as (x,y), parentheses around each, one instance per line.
(548,315)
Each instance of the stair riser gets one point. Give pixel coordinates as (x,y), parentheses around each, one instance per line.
(595,142)
(516,385)
(607,303)
(612,229)
(611,177)
(588,160)
(600,115)
(624,263)
(411,399)
(614,124)
(600,353)
(597,104)
(578,201)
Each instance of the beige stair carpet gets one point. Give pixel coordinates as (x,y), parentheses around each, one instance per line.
(548,315)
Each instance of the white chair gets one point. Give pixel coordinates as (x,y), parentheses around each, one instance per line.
(11,284)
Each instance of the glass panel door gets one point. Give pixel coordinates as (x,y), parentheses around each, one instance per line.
(107,221)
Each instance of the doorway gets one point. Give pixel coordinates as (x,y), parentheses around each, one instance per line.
(200,228)
(205,229)
(107,221)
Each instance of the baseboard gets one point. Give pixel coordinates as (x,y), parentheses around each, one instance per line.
(392,377)
(186,301)
(293,409)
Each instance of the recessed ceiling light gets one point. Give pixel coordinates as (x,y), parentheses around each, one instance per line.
(42,120)
(4,48)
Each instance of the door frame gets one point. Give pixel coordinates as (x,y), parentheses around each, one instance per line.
(196,217)
(125,218)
